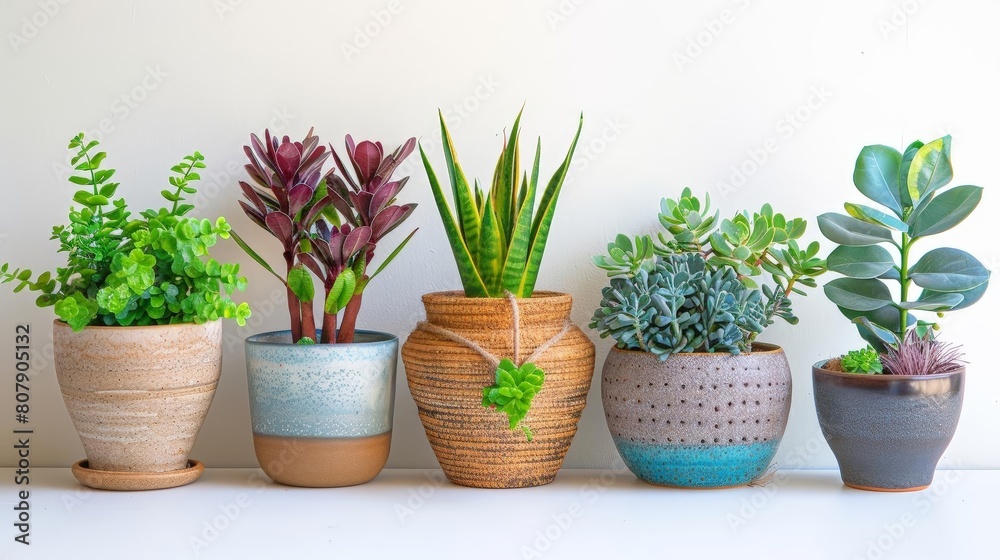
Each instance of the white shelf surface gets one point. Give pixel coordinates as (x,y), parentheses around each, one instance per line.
(584,514)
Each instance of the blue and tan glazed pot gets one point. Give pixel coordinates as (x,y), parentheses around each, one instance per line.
(699,420)
(322,413)
(888,431)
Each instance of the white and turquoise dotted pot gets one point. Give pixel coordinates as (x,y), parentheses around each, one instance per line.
(697,420)
(322,413)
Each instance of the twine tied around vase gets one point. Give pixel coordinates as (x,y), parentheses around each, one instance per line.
(516,382)
(490,358)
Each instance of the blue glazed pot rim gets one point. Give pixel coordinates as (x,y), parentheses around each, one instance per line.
(369,338)
(757,348)
(880,378)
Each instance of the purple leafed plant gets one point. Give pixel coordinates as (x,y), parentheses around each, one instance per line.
(916,355)
(328,224)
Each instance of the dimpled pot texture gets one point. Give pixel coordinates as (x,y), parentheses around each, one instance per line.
(888,431)
(697,420)
(138,395)
(322,413)
(475,445)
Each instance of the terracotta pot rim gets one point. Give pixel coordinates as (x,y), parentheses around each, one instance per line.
(61,323)
(433,297)
(881,378)
(383,338)
(762,348)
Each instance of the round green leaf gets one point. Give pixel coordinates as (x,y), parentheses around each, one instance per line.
(876,175)
(846,230)
(934,301)
(945,210)
(969,297)
(948,270)
(930,169)
(860,262)
(858,294)
(873,216)
(301,283)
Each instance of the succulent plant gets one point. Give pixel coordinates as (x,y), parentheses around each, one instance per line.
(681,305)
(513,392)
(918,354)
(694,288)
(909,187)
(764,242)
(289,196)
(865,360)
(119,271)
(498,238)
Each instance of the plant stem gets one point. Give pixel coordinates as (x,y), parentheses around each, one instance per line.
(293,314)
(347,327)
(329,328)
(308,322)
(173,209)
(904,281)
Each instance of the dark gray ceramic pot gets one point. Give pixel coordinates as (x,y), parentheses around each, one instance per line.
(697,420)
(888,431)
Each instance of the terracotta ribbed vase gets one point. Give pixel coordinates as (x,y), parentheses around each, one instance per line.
(139,395)
(475,445)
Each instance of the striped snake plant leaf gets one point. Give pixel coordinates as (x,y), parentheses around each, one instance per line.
(468,217)
(507,192)
(543,220)
(517,255)
(491,249)
(473,283)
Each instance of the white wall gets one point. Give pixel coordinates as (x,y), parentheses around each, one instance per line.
(203,75)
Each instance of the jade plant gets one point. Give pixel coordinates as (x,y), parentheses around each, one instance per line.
(328,224)
(498,237)
(876,247)
(124,271)
(695,288)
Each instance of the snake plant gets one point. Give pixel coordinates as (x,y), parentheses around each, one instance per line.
(498,237)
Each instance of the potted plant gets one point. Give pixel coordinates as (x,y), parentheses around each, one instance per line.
(501,356)
(138,339)
(889,411)
(321,397)
(690,397)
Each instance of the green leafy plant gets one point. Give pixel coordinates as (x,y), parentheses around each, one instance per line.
(328,225)
(865,360)
(694,289)
(147,271)
(909,188)
(513,391)
(498,238)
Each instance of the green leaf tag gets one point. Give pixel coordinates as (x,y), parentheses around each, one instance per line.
(513,392)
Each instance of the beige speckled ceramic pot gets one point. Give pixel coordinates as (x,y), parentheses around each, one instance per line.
(475,445)
(138,395)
